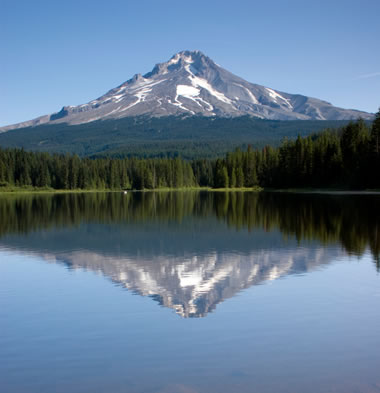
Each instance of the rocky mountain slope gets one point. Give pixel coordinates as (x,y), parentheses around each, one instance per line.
(190,83)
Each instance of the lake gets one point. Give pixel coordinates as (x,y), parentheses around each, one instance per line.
(189,292)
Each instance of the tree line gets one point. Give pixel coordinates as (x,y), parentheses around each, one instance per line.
(347,157)
(350,220)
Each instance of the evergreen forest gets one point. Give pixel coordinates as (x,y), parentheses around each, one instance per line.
(189,137)
(348,157)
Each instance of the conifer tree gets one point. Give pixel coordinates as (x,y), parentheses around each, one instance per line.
(375,134)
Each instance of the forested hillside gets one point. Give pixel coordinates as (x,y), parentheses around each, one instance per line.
(348,157)
(189,137)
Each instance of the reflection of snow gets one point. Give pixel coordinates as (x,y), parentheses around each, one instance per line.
(193,285)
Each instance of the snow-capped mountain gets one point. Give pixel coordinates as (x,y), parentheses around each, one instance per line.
(190,83)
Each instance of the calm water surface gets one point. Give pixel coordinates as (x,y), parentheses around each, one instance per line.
(189,292)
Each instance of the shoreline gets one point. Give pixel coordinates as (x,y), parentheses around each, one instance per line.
(79,191)
(331,191)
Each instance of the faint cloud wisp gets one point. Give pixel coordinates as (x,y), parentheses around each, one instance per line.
(366,76)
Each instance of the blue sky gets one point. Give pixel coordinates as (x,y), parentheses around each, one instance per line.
(55,53)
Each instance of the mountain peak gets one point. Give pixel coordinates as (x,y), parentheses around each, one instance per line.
(190,83)
(180,61)
(189,55)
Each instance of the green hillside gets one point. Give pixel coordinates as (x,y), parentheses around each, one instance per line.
(189,137)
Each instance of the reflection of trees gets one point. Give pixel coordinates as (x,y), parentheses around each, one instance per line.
(354,220)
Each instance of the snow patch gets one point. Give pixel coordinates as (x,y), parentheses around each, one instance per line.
(143,83)
(210,107)
(251,96)
(118,98)
(180,105)
(277,97)
(188,59)
(90,120)
(174,60)
(142,91)
(122,88)
(203,83)
(200,82)
(115,110)
(321,117)
(185,90)
(192,93)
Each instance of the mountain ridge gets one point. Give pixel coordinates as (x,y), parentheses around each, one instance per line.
(192,84)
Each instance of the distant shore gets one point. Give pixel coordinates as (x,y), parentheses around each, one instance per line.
(333,191)
(32,190)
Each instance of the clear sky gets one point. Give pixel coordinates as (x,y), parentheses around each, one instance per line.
(55,53)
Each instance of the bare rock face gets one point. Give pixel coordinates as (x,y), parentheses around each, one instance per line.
(190,83)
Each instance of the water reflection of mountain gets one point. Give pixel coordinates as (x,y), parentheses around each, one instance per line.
(190,270)
(193,285)
(191,277)
(187,250)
